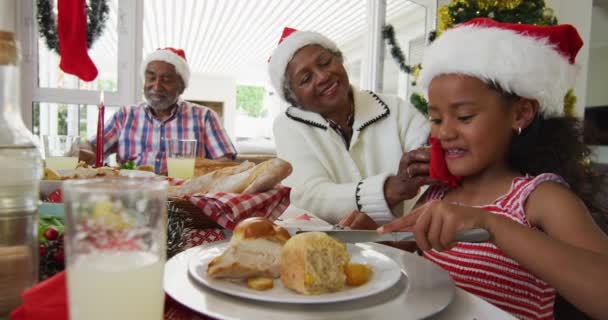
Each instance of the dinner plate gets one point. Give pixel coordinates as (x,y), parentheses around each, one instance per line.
(48,186)
(385,273)
(423,290)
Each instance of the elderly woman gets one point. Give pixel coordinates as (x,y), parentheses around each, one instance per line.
(348,147)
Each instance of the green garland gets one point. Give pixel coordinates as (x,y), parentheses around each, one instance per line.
(388,33)
(459,11)
(97,15)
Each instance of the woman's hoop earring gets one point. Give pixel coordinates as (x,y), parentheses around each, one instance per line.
(519,131)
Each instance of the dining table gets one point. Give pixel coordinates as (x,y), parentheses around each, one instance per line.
(425,291)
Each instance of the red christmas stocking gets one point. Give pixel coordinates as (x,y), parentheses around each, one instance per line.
(72,30)
(439,169)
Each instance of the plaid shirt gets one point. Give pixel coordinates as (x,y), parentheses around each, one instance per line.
(134,133)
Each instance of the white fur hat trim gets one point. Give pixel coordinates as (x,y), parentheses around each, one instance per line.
(526,66)
(285,51)
(168,56)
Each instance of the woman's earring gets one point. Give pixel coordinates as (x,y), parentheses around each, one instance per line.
(519,131)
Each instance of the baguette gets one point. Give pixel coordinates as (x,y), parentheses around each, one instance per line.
(244,178)
(260,178)
(203,184)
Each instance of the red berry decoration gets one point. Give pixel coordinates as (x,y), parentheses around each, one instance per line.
(51,233)
(55,196)
(58,256)
(42,250)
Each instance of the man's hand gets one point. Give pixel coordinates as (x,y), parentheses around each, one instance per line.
(358,220)
(86,153)
(413,173)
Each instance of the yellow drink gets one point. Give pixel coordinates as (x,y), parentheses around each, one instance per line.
(116,286)
(61,163)
(182,168)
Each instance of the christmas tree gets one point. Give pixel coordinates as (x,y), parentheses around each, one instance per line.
(458,11)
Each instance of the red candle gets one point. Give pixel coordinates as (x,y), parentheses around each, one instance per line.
(99,150)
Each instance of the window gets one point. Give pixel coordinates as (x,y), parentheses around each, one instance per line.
(408,20)
(227,45)
(60,103)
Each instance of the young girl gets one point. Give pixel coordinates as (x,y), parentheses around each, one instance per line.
(496,105)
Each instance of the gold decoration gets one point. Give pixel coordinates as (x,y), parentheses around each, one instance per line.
(569,103)
(486,4)
(445,20)
(508,4)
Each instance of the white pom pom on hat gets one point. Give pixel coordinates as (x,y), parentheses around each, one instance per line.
(176,57)
(534,62)
(290,42)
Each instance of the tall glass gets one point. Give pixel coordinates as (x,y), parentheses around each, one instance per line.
(61,152)
(181,155)
(115,247)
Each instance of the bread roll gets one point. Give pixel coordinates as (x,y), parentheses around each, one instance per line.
(313,263)
(254,251)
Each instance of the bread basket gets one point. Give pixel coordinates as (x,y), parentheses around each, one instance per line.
(183,216)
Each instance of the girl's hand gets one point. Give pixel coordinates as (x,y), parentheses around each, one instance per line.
(358,220)
(413,173)
(436,223)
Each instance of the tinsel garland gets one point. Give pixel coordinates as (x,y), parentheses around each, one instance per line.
(388,33)
(459,11)
(97,15)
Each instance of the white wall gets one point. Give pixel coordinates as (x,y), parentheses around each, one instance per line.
(215,88)
(597,79)
(578,14)
(8,12)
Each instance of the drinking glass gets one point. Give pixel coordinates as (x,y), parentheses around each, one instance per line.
(61,152)
(115,243)
(181,154)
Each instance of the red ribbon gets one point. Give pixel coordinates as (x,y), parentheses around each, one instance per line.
(439,169)
(99,150)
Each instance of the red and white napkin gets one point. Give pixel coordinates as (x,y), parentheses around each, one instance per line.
(228,209)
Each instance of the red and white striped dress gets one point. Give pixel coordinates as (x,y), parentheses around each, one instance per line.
(486,271)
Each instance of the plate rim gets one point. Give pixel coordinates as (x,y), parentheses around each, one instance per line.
(393,278)
(429,290)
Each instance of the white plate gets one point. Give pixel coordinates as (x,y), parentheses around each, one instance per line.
(48,186)
(385,274)
(423,290)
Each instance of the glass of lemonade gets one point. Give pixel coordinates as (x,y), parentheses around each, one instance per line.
(181,155)
(115,244)
(61,152)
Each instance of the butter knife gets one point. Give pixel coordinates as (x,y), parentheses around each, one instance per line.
(355,236)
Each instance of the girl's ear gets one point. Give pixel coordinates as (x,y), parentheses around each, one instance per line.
(525,112)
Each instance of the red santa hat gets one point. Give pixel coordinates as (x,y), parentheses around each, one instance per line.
(291,41)
(535,62)
(176,57)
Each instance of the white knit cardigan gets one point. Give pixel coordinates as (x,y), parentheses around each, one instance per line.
(330,180)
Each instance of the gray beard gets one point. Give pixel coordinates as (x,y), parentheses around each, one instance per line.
(161,106)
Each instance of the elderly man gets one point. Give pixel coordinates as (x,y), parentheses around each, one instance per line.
(139,133)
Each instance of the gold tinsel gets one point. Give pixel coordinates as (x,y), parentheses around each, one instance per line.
(508,4)
(498,4)
(487,4)
(569,103)
(444,19)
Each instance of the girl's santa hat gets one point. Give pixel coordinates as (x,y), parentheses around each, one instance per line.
(291,41)
(530,61)
(176,57)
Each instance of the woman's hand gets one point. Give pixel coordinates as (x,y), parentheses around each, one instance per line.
(436,223)
(358,220)
(413,173)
